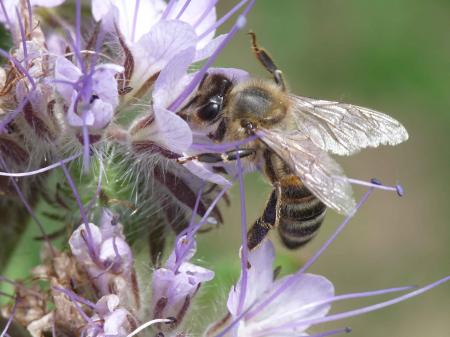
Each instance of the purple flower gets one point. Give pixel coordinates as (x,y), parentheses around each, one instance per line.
(105,255)
(258,306)
(155,33)
(175,284)
(91,98)
(293,305)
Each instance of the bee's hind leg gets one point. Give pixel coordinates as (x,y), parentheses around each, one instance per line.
(264,224)
(212,157)
(267,62)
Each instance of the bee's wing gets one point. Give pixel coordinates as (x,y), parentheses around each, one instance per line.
(344,129)
(318,171)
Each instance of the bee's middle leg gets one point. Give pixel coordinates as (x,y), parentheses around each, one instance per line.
(264,224)
(212,157)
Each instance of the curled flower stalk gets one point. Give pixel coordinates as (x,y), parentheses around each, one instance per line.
(113,125)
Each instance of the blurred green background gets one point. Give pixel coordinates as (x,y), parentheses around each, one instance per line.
(393,56)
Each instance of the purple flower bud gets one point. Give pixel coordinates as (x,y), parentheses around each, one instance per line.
(109,319)
(175,284)
(111,267)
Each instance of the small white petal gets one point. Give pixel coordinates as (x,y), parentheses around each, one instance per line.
(292,304)
(121,13)
(46,3)
(197,16)
(66,71)
(156,48)
(208,49)
(102,114)
(259,277)
(107,304)
(173,78)
(78,244)
(171,131)
(105,84)
(204,172)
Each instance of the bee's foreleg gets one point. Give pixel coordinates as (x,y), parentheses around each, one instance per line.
(267,62)
(264,224)
(212,157)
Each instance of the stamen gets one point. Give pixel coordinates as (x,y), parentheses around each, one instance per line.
(78,26)
(211,207)
(167,10)
(13,115)
(10,319)
(183,9)
(400,190)
(233,323)
(76,51)
(86,145)
(239,24)
(29,209)
(41,170)
(98,46)
(30,16)
(290,281)
(244,248)
(205,13)
(149,323)
(190,233)
(99,187)
(375,183)
(24,38)
(180,253)
(90,241)
(133,26)
(223,147)
(117,258)
(74,300)
(5,13)
(194,228)
(336,299)
(223,19)
(7,295)
(373,307)
(333,332)
(53,328)
(7,280)
(19,67)
(75,297)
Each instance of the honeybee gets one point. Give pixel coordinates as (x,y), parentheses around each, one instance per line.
(294,136)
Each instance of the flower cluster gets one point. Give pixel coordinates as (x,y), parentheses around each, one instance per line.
(102,97)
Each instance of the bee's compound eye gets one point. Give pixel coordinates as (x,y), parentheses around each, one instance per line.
(209,111)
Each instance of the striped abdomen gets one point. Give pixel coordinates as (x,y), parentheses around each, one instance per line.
(299,212)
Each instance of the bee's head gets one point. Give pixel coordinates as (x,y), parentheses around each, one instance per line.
(206,107)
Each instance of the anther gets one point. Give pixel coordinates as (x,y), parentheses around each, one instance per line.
(376,181)
(400,190)
(93,98)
